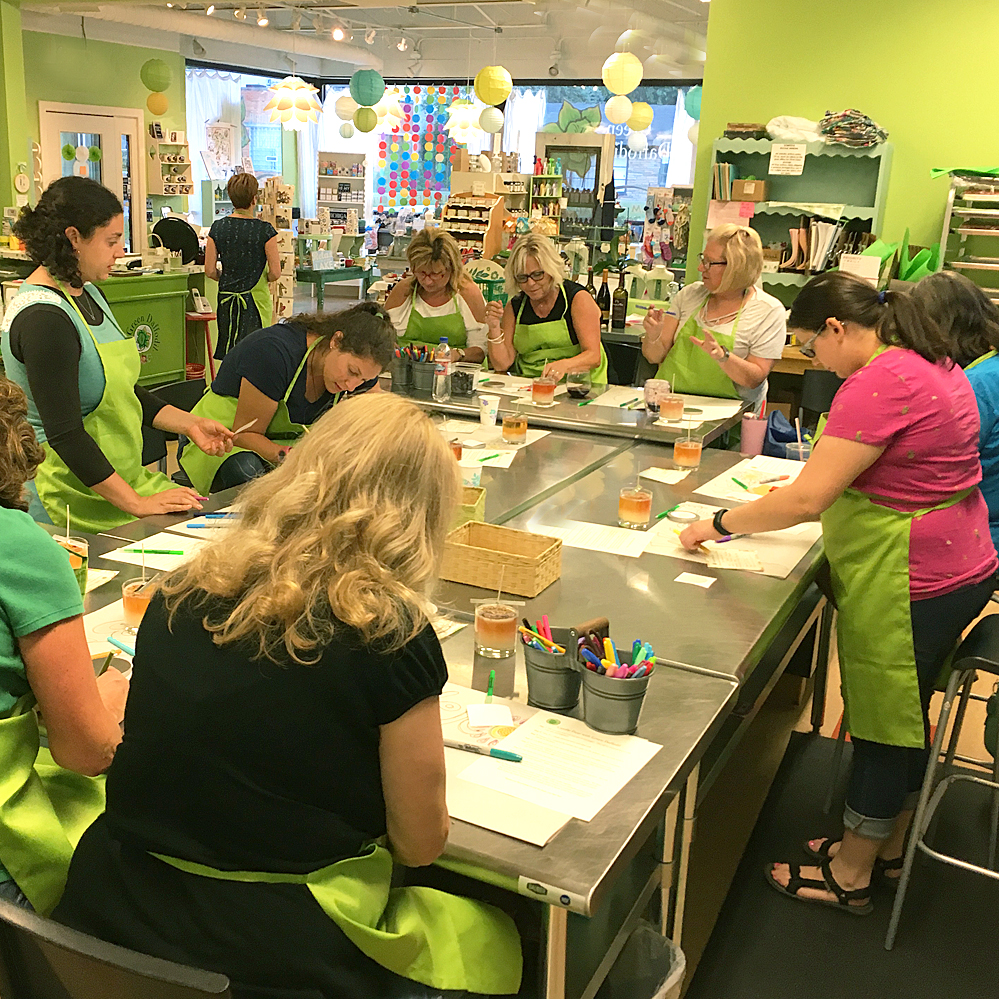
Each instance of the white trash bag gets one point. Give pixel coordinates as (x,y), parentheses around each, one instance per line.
(785,128)
(650,966)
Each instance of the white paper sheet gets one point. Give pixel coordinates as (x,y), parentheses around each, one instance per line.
(488,715)
(616,395)
(163,540)
(98,577)
(671,476)
(751,472)
(599,538)
(567,767)
(727,557)
(491,383)
(100,623)
(496,451)
(700,409)
(203,528)
(483,806)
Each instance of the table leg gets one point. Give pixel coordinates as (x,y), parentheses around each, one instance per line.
(672,822)
(556,939)
(689,806)
(320,292)
(823,644)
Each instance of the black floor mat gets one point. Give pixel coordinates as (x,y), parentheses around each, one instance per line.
(767,947)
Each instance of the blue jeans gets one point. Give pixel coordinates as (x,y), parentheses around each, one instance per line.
(236,470)
(10,892)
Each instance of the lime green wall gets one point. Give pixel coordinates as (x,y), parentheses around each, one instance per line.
(914,66)
(14,133)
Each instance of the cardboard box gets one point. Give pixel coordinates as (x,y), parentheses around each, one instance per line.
(749,190)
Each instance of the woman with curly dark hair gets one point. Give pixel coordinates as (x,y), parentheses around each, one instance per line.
(44,659)
(62,345)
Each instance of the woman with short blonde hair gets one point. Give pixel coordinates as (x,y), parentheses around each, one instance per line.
(721,335)
(550,326)
(439,298)
(286,727)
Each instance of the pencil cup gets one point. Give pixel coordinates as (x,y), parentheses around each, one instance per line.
(754,432)
(423,376)
(553,680)
(612,705)
(402,374)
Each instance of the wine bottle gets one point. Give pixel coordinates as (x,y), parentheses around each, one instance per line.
(619,307)
(604,301)
(590,286)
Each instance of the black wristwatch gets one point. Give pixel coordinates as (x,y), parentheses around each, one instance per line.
(725,356)
(716,522)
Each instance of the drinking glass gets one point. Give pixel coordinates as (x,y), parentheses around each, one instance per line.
(78,550)
(515,428)
(671,408)
(135,603)
(687,451)
(655,390)
(634,507)
(496,628)
(543,390)
(578,384)
(798,452)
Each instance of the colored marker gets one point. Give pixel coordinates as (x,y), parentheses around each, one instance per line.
(636,651)
(774,478)
(111,640)
(590,658)
(547,627)
(219,516)
(488,456)
(659,516)
(489,691)
(153,551)
(738,483)
(628,403)
(585,402)
(730,537)
(203,527)
(105,664)
(496,754)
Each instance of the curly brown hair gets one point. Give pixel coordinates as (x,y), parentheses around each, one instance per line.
(20,452)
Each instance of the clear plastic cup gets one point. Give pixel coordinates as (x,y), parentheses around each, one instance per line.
(488,408)
(634,507)
(78,550)
(798,452)
(671,408)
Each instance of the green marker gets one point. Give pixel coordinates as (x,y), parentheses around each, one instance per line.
(153,551)
(738,483)
(628,403)
(488,456)
(105,664)
(585,402)
(659,516)
(489,690)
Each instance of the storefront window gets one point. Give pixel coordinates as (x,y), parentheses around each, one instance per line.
(261,139)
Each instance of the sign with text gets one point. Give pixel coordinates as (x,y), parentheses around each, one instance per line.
(787,159)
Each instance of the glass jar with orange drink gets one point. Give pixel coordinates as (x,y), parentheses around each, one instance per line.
(543,390)
(634,507)
(135,597)
(515,428)
(687,451)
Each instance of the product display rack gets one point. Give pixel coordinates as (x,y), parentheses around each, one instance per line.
(833,175)
(971,225)
(169,168)
(545,203)
(475,222)
(341,168)
(215,203)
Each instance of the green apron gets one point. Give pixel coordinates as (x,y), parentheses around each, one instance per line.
(239,302)
(428,330)
(44,810)
(426,935)
(540,343)
(116,426)
(688,368)
(201,467)
(867,546)
(978,360)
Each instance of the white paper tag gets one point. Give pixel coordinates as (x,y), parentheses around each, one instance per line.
(668,475)
(694,579)
(487,715)
(724,557)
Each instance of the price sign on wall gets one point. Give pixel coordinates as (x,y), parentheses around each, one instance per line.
(787,159)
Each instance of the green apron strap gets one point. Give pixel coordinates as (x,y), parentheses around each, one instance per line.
(979,360)
(428,330)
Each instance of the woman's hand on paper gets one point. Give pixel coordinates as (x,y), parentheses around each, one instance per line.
(692,537)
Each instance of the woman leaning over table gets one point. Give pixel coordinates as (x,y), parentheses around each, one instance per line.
(970,321)
(550,325)
(44,808)
(278,381)
(721,335)
(894,479)
(439,299)
(63,346)
(284,727)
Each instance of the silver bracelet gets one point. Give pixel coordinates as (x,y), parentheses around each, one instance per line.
(498,339)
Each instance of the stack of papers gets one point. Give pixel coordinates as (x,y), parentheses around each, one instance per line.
(599,538)
(185,547)
(746,481)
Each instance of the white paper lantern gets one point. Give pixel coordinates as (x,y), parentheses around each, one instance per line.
(622,72)
(638,142)
(347,130)
(345,107)
(294,103)
(618,110)
(463,121)
(82,154)
(491,120)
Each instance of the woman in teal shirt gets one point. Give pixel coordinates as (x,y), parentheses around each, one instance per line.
(44,660)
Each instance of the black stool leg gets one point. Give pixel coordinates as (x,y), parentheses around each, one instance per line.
(962,707)
(994,828)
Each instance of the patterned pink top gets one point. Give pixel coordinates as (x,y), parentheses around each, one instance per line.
(925,417)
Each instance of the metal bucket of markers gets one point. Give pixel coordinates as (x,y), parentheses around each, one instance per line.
(423,376)
(552,679)
(612,704)
(402,372)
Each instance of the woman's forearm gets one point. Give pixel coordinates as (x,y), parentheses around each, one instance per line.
(502,355)
(655,349)
(260,444)
(118,493)
(743,372)
(782,508)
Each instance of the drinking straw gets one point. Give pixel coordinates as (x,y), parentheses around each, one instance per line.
(67,522)
(142,545)
(499,589)
(245,426)
(797,427)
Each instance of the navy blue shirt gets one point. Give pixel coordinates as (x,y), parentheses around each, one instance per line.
(268,360)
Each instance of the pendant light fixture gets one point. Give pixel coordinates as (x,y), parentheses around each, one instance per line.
(294,103)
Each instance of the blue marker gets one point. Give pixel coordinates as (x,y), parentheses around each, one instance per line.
(496,754)
(120,645)
(591,658)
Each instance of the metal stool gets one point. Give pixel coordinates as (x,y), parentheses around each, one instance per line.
(979,651)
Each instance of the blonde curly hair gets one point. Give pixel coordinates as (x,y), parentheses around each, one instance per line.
(20,452)
(349,530)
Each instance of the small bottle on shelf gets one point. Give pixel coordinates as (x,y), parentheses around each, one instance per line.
(604,301)
(619,306)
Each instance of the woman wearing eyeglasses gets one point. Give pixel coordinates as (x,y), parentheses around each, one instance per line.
(550,326)
(722,334)
(894,478)
(439,299)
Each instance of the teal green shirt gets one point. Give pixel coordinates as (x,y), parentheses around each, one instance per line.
(37,588)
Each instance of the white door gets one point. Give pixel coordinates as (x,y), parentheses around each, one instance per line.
(104,145)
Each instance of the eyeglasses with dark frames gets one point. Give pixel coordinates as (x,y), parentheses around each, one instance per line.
(710,263)
(534,276)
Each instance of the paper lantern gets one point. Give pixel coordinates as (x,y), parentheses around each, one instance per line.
(393,111)
(157,104)
(345,108)
(491,120)
(693,132)
(622,72)
(294,103)
(638,142)
(493,85)
(367,87)
(365,119)
(692,103)
(347,130)
(155,75)
(618,110)
(463,121)
(641,116)
(68,151)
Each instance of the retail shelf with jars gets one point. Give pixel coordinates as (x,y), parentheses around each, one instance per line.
(341,178)
(215,203)
(546,202)
(169,168)
(970,238)
(476,222)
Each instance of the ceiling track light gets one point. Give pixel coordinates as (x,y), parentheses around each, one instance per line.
(262,21)
(402,44)
(210,10)
(339,32)
(369,36)
(239,13)
(296,21)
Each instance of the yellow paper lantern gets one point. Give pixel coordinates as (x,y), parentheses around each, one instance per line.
(491,120)
(157,104)
(294,103)
(641,116)
(365,119)
(618,110)
(345,107)
(622,72)
(493,85)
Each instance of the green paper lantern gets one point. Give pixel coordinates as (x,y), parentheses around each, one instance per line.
(365,119)
(347,130)
(367,88)
(155,75)
(95,154)
(69,152)
(692,102)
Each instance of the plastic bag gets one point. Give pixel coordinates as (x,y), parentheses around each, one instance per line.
(779,432)
(650,966)
(785,128)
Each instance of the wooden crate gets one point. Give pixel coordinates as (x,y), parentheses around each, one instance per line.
(477,554)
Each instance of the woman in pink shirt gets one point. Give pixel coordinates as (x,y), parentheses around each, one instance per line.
(894,479)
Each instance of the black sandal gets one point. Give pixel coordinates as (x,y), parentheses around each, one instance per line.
(844,899)
(881,867)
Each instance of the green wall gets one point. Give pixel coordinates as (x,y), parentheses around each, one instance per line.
(14,132)
(921,69)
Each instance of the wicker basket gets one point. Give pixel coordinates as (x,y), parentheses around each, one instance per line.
(473,506)
(476,554)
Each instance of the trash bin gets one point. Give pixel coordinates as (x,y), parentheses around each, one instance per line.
(650,966)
